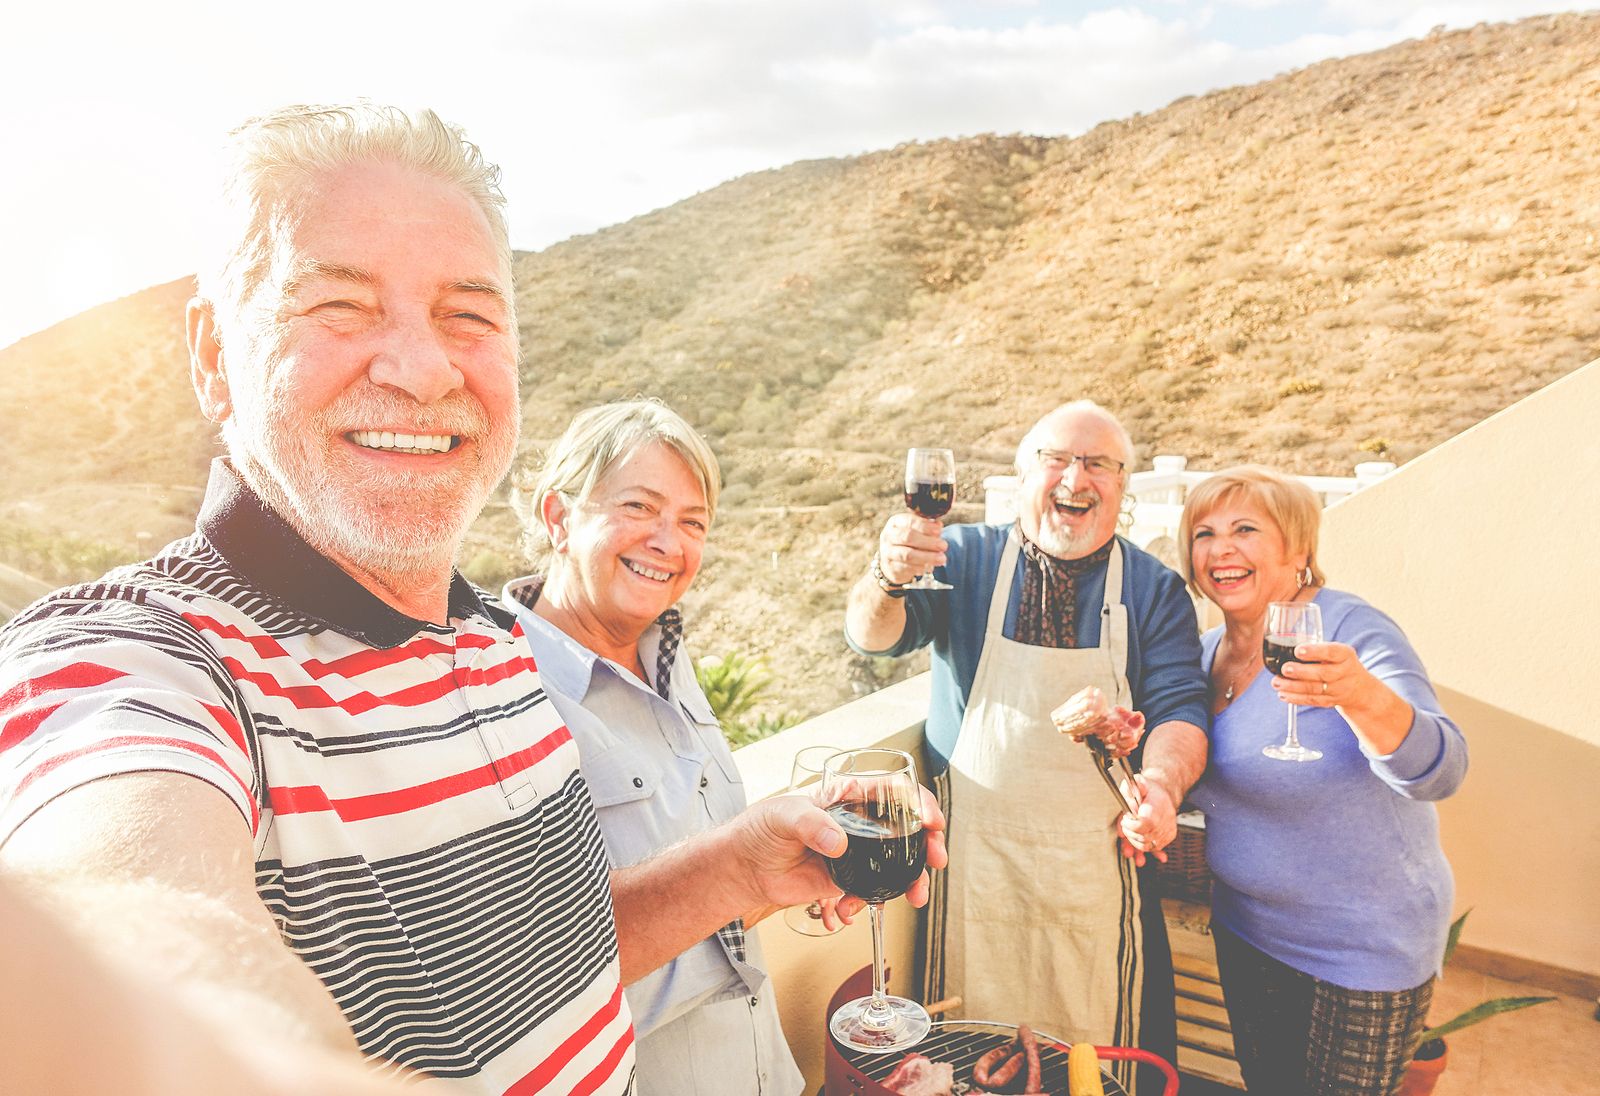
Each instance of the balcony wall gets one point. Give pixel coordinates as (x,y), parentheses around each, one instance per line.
(806,970)
(1484,550)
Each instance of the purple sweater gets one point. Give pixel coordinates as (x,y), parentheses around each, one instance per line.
(1334,866)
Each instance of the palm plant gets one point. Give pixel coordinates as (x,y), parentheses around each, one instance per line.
(732,684)
(1477,1012)
(1432,1048)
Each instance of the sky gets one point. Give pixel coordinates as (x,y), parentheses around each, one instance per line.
(597,111)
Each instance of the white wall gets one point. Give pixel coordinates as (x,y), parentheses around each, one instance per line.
(1487,551)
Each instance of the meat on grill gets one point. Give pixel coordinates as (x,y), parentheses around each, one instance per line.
(917,1076)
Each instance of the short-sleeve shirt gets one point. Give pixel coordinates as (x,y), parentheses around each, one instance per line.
(423,837)
(660,772)
(1163,636)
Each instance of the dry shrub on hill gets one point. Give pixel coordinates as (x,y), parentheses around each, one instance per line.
(1362,257)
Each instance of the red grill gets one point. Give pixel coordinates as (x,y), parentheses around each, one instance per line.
(961,1043)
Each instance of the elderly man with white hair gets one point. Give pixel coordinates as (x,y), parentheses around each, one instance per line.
(1041,918)
(295,765)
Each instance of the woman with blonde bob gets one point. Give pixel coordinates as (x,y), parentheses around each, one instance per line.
(1332,896)
(622,508)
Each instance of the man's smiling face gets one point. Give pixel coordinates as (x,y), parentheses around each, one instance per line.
(1063,505)
(375,400)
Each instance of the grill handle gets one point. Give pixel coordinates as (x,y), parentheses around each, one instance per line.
(1134,1054)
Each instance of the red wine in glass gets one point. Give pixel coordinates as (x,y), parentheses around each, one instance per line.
(875,798)
(1277,652)
(886,852)
(1289,624)
(931,500)
(930,491)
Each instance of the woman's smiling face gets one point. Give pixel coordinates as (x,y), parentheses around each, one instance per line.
(1241,561)
(634,545)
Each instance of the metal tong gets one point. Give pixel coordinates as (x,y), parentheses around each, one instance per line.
(1109,769)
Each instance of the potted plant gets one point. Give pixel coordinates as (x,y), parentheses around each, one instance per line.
(1433,1054)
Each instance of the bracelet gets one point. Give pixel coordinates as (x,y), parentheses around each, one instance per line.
(893,589)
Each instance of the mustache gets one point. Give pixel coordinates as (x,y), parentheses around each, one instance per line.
(454,414)
(1063,497)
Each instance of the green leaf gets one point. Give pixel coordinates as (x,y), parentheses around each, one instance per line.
(1482,1012)
(732,684)
(1455,936)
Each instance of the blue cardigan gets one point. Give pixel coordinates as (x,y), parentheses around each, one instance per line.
(1163,638)
(1334,866)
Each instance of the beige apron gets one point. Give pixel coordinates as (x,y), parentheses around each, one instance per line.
(1042,918)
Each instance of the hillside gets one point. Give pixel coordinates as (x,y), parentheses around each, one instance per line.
(1362,257)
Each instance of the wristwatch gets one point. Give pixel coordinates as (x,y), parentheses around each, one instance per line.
(893,589)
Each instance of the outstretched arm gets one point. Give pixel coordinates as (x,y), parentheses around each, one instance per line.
(78,1024)
(908,546)
(156,870)
(772,854)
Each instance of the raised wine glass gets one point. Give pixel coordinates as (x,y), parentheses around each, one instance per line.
(930,491)
(804,775)
(1290,623)
(874,796)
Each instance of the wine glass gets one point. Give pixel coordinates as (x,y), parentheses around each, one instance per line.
(1290,623)
(930,491)
(874,796)
(807,771)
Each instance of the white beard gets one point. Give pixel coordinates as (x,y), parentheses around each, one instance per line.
(347,513)
(1064,543)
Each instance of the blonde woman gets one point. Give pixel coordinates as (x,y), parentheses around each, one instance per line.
(624,505)
(1332,894)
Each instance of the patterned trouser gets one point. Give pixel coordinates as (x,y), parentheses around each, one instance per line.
(1296,1035)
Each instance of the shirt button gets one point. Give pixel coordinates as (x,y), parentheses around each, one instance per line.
(704,781)
(754,1001)
(638,782)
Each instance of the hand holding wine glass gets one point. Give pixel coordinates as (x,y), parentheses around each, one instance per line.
(930,492)
(1289,624)
(874,797)
(806,772)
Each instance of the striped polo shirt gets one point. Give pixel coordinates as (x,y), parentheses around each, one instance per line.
(423,837)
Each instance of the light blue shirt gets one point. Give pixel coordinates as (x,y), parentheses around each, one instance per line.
(659,771)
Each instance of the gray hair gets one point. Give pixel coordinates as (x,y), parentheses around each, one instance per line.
(1028,447)
(599,438)
(274,157)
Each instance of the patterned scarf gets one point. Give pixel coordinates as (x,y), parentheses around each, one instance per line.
(1049,595)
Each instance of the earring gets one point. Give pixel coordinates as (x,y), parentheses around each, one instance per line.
(1304,578)
(1125,514)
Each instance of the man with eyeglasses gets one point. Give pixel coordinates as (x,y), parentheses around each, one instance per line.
(1041,917)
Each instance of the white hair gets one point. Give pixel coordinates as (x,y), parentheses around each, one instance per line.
(599,439)
(274,158)
(1028,447)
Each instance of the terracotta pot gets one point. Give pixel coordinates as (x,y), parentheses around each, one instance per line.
(1422,1074)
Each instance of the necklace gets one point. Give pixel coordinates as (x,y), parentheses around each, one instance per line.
(1233,682)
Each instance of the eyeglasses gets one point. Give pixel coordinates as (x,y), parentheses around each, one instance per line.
(1054,460)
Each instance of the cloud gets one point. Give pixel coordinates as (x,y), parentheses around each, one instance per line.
(1409,17)
(598,112)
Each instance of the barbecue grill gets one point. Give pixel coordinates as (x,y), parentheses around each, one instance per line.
(961,1043)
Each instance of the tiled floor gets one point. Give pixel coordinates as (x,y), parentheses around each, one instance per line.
(1551,1049)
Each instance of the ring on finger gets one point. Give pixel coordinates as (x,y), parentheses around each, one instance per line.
(1324,688)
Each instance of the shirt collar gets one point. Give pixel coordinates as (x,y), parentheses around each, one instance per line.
(571,671)
(264,548)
